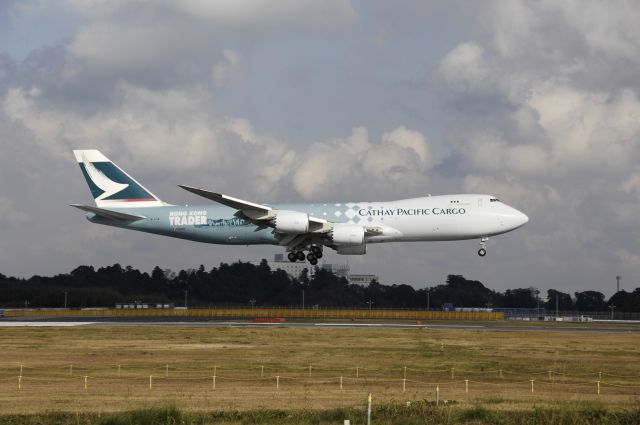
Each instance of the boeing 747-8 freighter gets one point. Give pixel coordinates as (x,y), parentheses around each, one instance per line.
(346,228)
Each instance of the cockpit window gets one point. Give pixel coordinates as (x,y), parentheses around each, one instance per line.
(494,200)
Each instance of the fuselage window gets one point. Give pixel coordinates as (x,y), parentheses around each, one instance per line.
(494,200)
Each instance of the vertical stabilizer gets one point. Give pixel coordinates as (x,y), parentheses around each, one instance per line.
(110,186)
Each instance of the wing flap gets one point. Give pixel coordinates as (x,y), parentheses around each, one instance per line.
(109,214)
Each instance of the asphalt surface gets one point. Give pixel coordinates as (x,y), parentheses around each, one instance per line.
(497,326)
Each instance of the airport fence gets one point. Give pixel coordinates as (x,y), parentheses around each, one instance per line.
(233,312)
(542,314)
(265,312)
(241,380)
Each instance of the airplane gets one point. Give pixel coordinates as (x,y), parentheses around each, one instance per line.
(347,228)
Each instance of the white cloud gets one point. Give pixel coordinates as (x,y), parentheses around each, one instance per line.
(464,67)
(175,40)
(589,129)
(222,69)
(116,47)
(157,128)
(355,165)
(607,28)
(574,131)
(513,25)
(632,184)
(557,132)
(10,215)
(411,140)
(265,13)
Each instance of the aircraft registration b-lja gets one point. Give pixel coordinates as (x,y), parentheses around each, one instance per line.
(345,227)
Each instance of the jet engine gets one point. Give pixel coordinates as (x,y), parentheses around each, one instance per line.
(347,235)
(291,222)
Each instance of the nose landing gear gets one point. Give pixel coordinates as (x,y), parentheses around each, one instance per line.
(483,247)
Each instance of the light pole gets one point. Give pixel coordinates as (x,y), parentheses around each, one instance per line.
(556,305)
(303,298)
(186,292)
(370,303)
(428,300)
(65,299)
(252,301)
(612,307)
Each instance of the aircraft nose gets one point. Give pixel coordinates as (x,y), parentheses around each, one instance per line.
(518,218)
(522,218)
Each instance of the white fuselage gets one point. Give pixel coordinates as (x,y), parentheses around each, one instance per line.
(430,218)
(345,227)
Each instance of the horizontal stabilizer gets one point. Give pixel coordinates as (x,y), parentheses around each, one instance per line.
(109,214)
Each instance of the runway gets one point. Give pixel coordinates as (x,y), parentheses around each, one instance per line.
(163,322)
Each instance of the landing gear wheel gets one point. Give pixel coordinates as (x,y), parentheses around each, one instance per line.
(292,257)
(312,258)
(313,261)
(319,255)
(317,251)
(300,255)
(483,246)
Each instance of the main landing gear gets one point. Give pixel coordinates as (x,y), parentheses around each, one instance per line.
(315,253)
(483,247)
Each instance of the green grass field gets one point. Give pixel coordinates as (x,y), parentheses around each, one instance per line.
(294,375)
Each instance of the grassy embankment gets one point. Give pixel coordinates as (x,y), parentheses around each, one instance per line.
(416,413)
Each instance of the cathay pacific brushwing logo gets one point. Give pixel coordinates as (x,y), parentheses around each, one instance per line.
(108,186)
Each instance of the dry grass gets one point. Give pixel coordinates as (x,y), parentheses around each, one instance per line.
(237,354)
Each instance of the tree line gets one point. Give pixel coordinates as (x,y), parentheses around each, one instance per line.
(244,283)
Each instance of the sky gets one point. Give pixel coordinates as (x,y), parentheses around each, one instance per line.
(535,102)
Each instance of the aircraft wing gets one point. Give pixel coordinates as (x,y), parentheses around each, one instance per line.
(250,209)
(229,201)
(110,214)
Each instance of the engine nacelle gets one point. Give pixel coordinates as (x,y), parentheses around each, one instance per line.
(291,222)
(347,235)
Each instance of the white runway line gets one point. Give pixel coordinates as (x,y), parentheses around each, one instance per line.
(354,325)
(42,324)
(455,326)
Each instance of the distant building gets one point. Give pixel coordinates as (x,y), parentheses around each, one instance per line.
(293,269)
(137,305)
(362,279)
(340,270)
